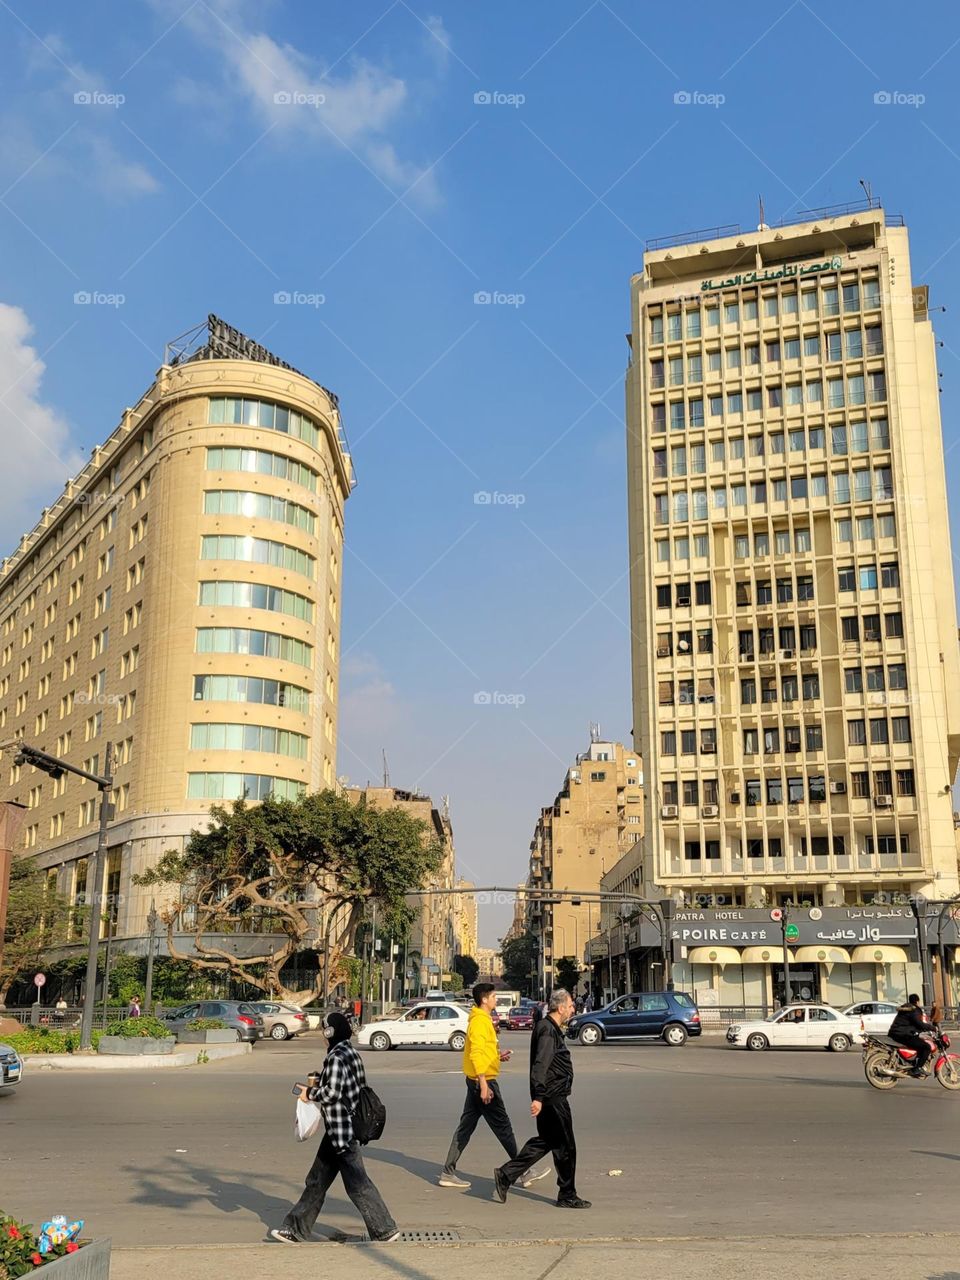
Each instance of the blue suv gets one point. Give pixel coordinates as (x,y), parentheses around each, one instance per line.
(672,1015)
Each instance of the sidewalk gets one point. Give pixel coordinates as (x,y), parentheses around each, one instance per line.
(902,1257)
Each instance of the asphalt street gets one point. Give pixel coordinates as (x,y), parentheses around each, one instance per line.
(708,1141)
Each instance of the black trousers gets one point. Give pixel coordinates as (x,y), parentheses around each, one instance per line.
(554,1134)
(356,1182)
(495,1114)
(909,1041)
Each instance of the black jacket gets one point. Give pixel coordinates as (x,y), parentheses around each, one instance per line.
(551,1067)
(910,1021)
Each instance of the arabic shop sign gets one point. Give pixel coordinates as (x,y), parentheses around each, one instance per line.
(747,926)
(762,277)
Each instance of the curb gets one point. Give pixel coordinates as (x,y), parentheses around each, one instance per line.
(133,1062)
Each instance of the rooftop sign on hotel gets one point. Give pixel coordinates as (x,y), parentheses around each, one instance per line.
(783,273)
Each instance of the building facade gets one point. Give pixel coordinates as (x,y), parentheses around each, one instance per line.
(795,662)
(180,600)
(466,919)
(594,819)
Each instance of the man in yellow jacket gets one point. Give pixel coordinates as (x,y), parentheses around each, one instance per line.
(481,1066)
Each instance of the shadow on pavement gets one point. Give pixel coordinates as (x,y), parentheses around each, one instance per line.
(943,1155)
(429,1171)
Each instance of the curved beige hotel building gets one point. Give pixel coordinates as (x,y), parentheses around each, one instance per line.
(180,599)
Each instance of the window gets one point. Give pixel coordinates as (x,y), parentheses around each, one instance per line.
(901,728)
(257,550)
(814,738)
(691,792)
(693,324)
(811,687)
(897,675)
(784,590)
(893,626)
(748,692)
(733,358)
(231,786)
(668,743)
(753,793)
(853,680)
(871,627)
(771,742)
(750,742)
(905,782)
(851,297)
(663,597)
(677,417)
(868,577)
(670,793)
(774,791)
(795,792)
(798,486)
(850,629)
(658,415)
(860,785)
(735,403)
(674,329)
(856,733)
(688,742)
(656,329)
(810,301)
(879,732)
(890,574)
(731,313)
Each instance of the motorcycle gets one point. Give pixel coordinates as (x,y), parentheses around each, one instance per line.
(885,1062)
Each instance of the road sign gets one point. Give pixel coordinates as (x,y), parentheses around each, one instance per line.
(39,979)
(776,914)
(792,932)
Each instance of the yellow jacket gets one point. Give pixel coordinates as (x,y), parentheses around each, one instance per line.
(481,1053)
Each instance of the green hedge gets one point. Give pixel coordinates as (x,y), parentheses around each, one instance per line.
(140,1028)
(44,1040)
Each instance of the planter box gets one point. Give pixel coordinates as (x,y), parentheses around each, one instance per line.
(92,1262)
(222,1036)
(137,1045)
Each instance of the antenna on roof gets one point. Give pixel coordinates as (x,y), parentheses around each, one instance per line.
(594,732)
(762,226)
(386,771)
(867,191)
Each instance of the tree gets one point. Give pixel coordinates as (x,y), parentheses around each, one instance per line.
(290,874)
(519,955)
(467,968)
(568,974)
(36,919)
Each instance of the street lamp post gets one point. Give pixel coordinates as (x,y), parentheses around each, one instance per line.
(784,918)
(666,915)
(152,921)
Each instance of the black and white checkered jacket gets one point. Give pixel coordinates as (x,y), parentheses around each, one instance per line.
(338,1091)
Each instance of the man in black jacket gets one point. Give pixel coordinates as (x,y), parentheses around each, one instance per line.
(907,1028)
(551,1082)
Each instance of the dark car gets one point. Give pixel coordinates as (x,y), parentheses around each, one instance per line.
(672,1015)
(238,1015)
(517,1020)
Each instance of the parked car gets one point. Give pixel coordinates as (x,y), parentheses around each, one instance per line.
(239,1015)
(281,1021)
(11,1066)
(517,1020)
(798,1026)
(430,1022)
(672,1015)
(875,1015)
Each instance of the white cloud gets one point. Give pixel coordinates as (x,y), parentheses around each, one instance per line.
(39,456)
(109,172)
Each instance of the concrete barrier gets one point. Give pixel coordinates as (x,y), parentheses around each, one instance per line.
(96,1062)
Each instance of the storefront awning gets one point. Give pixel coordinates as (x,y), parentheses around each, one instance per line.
(880,955)
(764,955)
(713,955)
(825,955)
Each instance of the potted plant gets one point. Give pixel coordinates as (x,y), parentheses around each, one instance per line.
(137,1035)
(57,1248)
(207,1031)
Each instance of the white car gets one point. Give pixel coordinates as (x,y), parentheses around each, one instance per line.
(798,1026)
(11,1066)
(432,1022)
(876,1015)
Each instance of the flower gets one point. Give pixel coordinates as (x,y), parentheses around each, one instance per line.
(72,1247)
(13,1233)
(35,1259)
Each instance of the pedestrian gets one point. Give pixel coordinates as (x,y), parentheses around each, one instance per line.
(337,1089)
(551,1082)
(588,1003)
(134,1010)
(481,1066)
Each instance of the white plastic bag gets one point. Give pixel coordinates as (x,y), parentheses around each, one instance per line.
(307,1120)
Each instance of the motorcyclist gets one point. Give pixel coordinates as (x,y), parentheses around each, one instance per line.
(907,1029)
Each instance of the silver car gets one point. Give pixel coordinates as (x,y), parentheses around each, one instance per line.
(281,1021)
(11,1066)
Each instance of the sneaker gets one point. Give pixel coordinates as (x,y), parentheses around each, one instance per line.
(285,1236)
(452,1180)
(500,1186)
(387,1239)
(534,1175)
(574,1203)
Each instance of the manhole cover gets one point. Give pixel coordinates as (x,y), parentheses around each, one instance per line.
(428,1237)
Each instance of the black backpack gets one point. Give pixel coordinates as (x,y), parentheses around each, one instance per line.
(369,1116)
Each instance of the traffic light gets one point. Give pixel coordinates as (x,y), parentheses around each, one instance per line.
(40,760)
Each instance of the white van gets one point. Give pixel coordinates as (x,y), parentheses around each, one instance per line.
(507,1000)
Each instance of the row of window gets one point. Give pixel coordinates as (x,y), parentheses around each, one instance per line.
(263,506)
(868,529)
(772,847)
(261,644)
(834,393)
(264,413)
(869,485)
(261,462)
(248,737)
(850,344)
(881,731)
(256,595)
(866,578)
(828,301)
(691,459)
(787,689)
(764,589)
(693,792)
(233,786)
(272,693)
(257,551)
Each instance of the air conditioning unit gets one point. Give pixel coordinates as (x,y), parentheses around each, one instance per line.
(883,802)
(734,797)
(708,748)
(838,788)
(786,653)
(683,602)
(709,811)
(668,811)
(663,653)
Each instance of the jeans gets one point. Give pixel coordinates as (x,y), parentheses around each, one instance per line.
(554,1133)
(495,1114)
(356,1182)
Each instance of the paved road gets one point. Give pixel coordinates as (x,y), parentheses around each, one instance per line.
(711,1142)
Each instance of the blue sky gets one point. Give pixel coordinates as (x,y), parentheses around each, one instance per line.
(221,152)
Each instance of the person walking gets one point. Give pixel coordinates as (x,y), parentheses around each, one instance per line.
(337,1089)
(481,1066)
(134,1010)
(551,1083)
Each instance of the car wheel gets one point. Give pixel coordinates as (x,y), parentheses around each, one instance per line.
(675,1035)
(240,1037)
(457,1041)
(757,1041)
(279,1032)
(590,1034)
(379,1041)
(839,1043)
